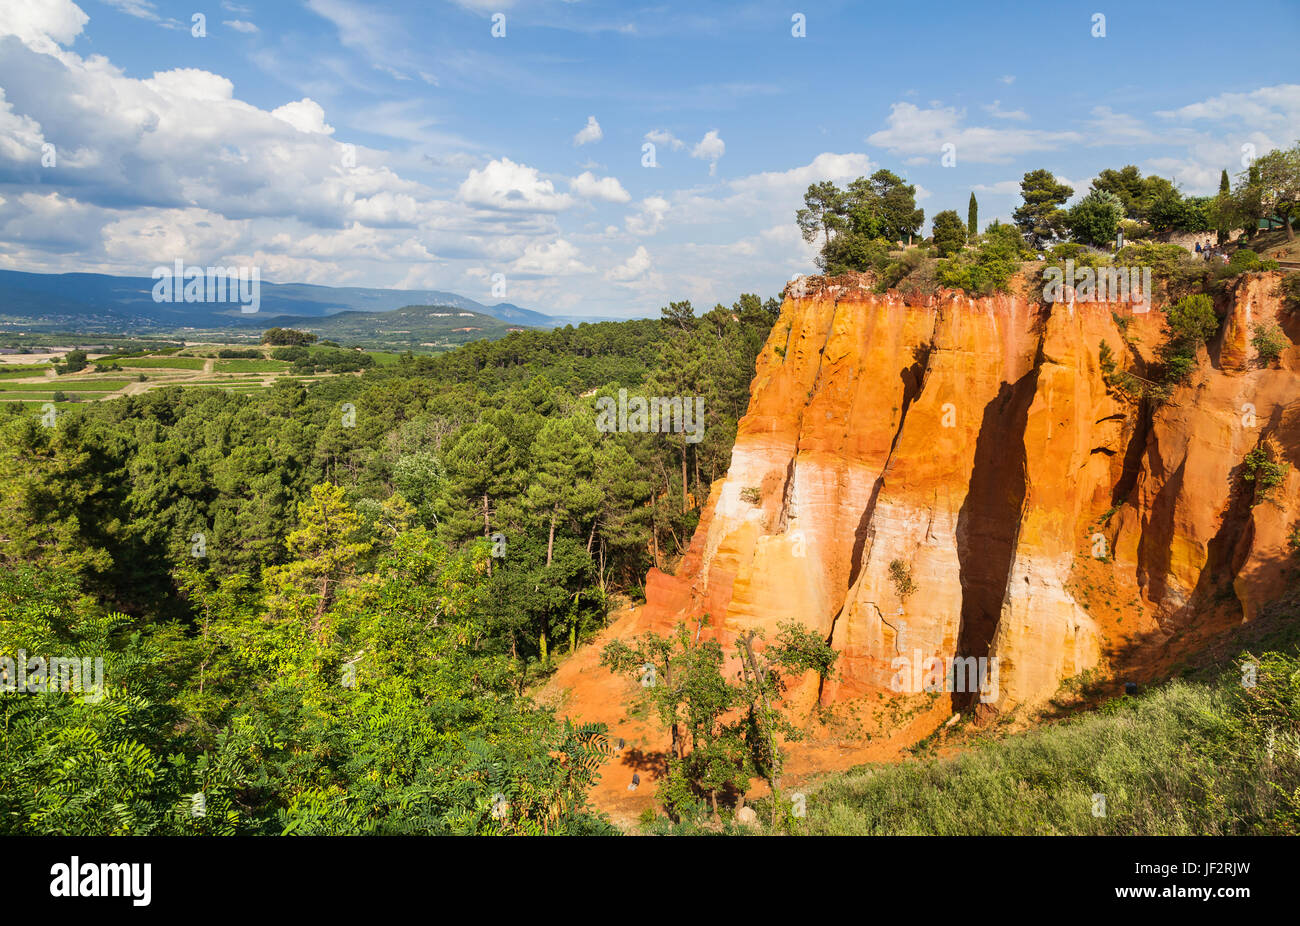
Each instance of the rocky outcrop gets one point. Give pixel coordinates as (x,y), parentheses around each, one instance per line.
(952,478)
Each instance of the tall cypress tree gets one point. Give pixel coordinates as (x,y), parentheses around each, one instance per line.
(972,217)
(1223,208)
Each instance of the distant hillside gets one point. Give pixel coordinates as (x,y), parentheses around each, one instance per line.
(99,302)
(412,326)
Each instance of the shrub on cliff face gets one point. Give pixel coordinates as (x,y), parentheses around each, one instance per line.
(1265,470)
(1268,341)
(1127,384)
(901,575)
(1192,322)
(903,268)
(989,267)
(1193,318)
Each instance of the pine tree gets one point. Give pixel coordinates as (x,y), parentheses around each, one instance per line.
(325,549)
(1041,218)
(972,218)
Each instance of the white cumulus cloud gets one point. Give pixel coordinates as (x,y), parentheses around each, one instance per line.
(649,218)
(608,189)
(591,132)
(635,267)
(552,258)
(923,133)
(710,148)
(505,185)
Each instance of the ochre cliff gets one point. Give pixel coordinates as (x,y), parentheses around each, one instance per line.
(1044,519)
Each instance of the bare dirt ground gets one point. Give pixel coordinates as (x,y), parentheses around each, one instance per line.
(584,690)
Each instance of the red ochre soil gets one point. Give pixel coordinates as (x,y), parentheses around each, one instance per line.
(1046,521)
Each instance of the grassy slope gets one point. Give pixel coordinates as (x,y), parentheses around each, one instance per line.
(1201,755)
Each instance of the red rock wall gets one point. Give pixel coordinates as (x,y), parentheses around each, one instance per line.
(975,441)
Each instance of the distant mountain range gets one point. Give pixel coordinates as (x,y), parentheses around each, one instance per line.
(412,327)
(96,302)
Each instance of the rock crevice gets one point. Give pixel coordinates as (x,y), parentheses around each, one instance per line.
(1044,520)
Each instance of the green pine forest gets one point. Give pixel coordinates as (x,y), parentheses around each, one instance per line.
(322,607)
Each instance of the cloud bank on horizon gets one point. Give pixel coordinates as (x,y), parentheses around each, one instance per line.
(592,157)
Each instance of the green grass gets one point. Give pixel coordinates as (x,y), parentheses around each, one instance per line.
(17,372)
(248,379)
(1187,758)
(86,385)
(384,358)
(165,363)
(26,397)
(248,365)
(66,385)
(230,385)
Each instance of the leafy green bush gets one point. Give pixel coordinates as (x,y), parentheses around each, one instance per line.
(1081,254)
(1268,341)
(989,267)
(1267,473)
(1242,261)
(849,252)
(1095,218)
(74,361)
(896,271)
(1193,318)
(949,233)
(287,337)
(292,354)
(1179,272)
(332,360)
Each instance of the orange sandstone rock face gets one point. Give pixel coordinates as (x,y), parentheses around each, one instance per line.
(1047,524)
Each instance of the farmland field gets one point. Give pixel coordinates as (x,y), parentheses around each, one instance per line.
(58,385)
(251,366)
(164,363)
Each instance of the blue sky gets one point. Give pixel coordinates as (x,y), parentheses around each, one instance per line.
(403,144)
